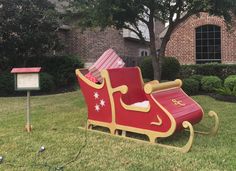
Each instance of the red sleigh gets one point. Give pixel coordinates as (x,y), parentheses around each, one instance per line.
(122,102)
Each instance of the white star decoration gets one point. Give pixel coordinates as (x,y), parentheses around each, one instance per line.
(96,95)
(102,102)
(97,108)
(98,103)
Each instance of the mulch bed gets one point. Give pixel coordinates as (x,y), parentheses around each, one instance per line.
(224,98)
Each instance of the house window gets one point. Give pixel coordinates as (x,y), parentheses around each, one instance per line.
(143,52)
(208,44)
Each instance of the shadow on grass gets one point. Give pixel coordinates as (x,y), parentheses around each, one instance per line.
(179,138)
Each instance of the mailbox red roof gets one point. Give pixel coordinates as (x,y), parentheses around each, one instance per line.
(26,70)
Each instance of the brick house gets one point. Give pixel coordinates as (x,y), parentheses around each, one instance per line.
(90,44)
(203,39)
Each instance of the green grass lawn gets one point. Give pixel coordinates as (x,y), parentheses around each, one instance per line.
(56,119)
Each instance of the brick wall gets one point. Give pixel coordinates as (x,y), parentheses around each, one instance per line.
(182,42)
(92,43)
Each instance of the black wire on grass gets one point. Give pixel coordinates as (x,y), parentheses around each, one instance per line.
(51,167)
(60,168)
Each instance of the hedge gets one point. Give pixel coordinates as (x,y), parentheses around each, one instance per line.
(6,83)
(146,68)
(170,68)
(58,72)
(215,69)
(62,68)
(47,83)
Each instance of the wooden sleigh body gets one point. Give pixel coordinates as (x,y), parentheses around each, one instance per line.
(164,110)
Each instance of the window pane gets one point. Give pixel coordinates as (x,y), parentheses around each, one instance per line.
(217,41)
(211,28)
(198,42)
(198,49)
(204,28)
(204,42)
(204,35)
(198,56)
(211,42)
(217,35)
(211,35)
(198,36)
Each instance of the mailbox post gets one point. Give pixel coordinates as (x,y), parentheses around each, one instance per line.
(27,79)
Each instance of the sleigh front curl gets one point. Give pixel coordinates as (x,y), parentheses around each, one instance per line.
(122,102)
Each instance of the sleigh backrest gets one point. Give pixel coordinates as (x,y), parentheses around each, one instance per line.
(131,77)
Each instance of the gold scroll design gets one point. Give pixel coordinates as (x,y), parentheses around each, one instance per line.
(157,123)
(178,102)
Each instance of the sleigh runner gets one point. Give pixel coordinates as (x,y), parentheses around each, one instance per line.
(123,102)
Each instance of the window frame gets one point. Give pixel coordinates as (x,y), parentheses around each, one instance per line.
(208,44)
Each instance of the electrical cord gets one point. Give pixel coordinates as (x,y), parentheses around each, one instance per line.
(60,168)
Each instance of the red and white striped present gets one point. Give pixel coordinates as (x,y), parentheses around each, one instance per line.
(108,60)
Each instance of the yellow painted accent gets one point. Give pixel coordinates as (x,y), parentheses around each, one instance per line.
(140,75)
(213,131)
(153,82)
(178,102)
(135,108)
(172,120)
(123,89)
(183,149)
(87,81)
(150,87)
(157,123)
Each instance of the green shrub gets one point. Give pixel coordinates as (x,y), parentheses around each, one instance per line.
(170,68)
(190,86)
(216,69)
(47,83)
(146,68)
(6,84)
(210,83)
(226,91)
(62,68)
(197,78)
(230,82)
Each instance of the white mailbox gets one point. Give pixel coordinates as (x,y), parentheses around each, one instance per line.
(27,79)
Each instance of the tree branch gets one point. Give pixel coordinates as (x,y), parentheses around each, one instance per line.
(137,31)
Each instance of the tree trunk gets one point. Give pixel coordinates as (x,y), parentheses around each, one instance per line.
(166,39)
(155,61)
(153,52)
